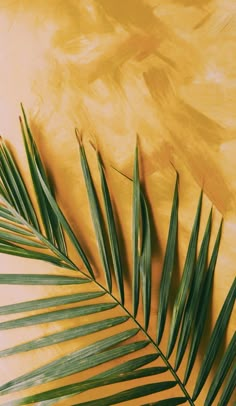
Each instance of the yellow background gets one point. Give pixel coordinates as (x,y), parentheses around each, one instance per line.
(116,68)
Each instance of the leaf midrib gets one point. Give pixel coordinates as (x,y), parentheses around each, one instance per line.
(150,339)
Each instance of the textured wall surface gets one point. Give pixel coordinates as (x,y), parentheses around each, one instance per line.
(164,69)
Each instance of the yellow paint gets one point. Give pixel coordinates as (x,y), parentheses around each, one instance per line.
(162,69)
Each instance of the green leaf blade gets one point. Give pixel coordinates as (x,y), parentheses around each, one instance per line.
(119,373)
(168,265)
(50,221)
(65,224)
(113,237)
(229,388)
(30,153)
(95,213)
(56,315)
(40,279)
(194,295)
(15,228)
(135,235)
(80,360)
(130,394)
(8,248)
(19,239)
(215,339)
(146,261)
(26,204)
(9,182)
(224,366)
(63,336)
(185,282)
(168,402)
(201,314)
(49,302)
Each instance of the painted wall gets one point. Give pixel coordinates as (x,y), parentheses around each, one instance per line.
(162,69)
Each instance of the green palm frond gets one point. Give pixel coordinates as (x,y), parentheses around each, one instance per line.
(117,341)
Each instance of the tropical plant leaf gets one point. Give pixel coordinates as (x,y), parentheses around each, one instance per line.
(145,261)
(21,235)
(51,222)
(95,213)
(193,298)
(81,360)
(135,235)
(65,224)
(10,211)
(18,209)
(130,394)
(203,305)
(49,302)
(225,364)
(168,266)
(113,237)
(27,208)
(168,402)
(17,228)
(55,315)
(65,335)
(229,388)
(119,373)
(12,249)
(18,239)
(39,279)
(215,340)
(187,275)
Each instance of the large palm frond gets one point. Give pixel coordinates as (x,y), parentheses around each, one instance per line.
(126,351)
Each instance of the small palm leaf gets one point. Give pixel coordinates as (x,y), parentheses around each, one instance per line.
(124,349)
(19,226)
(113,237)
(145,261)
(135,234)
(194,294)
(219,377)
(215,340)
(51,224)
(168,266)
(96,213)
(201,314)
(185,283)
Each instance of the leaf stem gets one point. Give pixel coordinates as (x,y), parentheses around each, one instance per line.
(164,359)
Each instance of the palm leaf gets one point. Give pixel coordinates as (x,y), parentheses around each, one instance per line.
(135,234)
(39,279)
(187,275)
(168,266)
(215,340)
(229,388)
(120,351)
(130,394)
(49,302)
(219,377)
(193,299)
(50,221)
(145,261)
(18,221)
(63,336)
(95,213)
(113,237)
(56,315)
(81,360)
(112,375)
(201,314)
